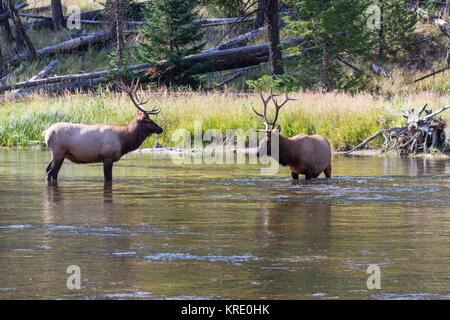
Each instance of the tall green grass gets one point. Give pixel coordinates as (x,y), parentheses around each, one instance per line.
(345,120)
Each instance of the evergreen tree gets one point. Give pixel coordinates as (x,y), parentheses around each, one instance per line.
(171,34)
(335,29)
(397,23)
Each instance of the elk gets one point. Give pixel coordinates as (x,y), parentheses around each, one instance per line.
(105,143)
(309,155)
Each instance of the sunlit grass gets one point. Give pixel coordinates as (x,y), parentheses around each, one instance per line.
(345,120)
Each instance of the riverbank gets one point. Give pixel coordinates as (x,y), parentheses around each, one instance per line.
(344,119)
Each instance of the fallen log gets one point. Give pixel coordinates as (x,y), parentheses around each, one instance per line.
(234,76)
(47,23)
(419,133)
(20,29)
(74,87)
(362,144)
(240,40)
(379,70)
(9,75)
(47,70)
(432,74)
(220,60)
(348,64)
(7,14)
(66,78)
(440,23)
(66,46)
(84,19)
(41,74)
(37,10)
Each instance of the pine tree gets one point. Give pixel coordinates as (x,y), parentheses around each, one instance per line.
(335,29)
(397,23)
(171,34)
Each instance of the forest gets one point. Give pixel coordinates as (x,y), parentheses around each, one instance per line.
(356,66)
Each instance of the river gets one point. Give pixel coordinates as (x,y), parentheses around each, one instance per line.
(170,231)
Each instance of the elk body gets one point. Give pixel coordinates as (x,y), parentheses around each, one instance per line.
(309,155)
(100,142)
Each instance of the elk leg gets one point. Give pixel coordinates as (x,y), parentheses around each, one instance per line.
(53,172)
(294,175)
(307,175)
(107,169)
(328,171)
(49,167)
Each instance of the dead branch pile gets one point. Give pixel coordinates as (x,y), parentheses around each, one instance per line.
(420,133)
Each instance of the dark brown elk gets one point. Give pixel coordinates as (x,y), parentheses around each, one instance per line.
(105,143)
(309,155)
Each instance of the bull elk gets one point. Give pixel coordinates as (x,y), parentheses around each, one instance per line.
(309,155)
(105,143)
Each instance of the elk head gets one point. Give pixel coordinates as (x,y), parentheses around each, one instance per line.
(270,129)
(142,118)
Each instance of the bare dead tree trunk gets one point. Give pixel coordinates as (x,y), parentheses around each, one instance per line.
(20,44)
(273,19)
(119,19)
(447,57)
(260,14)
(381,33)
(5,24)
(19,27)
(116,10)
(58,21)
(1,62)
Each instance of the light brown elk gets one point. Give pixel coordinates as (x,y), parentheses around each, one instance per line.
(105,143)
(309,155)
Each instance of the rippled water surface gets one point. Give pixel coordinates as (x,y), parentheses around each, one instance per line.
(167,231)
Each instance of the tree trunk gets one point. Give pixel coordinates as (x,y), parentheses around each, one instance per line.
(19,27)
(58,21)
(20,44)
(381,34)
(447,57)
(5,25)
(260,14)
(119,17)
(66,46)
(217,60)
(1,62)
(273,19)
(325,62)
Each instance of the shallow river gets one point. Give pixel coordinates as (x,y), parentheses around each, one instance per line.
(163,230)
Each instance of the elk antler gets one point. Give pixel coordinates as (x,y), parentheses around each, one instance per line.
(131,91)
(277,109)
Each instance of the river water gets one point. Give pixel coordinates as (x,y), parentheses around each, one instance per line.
(171,231)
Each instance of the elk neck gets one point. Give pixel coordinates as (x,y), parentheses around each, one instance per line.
(132,136)
(284,150)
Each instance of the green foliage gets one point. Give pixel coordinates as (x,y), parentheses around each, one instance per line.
(229,8)
(341,25)
(276,83)
(170,34)
(119,73)
(344,119)
(398,22)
